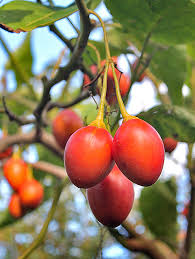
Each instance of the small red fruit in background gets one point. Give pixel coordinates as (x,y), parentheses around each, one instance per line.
(124,82)
(185,211)
(86,79)
(112,199)
(169,144)
(6,153)
(15,206)
(138,152)
(15,171)
(88,156)
(143,75)
(31,193)
(64,125)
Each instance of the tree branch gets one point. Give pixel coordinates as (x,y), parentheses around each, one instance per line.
(44,138)
(55,170)
(139,243)
(68,43)
(64,72)
(12,117)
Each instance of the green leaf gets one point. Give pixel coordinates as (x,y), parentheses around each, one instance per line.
(155,202)
(191,50)
(24,59)
(6,218)
(17,16)
(93,4)
(171,121)
(171,21)
(169,64)
(87,111)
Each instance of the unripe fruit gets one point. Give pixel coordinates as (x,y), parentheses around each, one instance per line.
(31,193)
(138,71)
(88,156)
(170,144)
(138,151)
(16,172)
(15,206)
(65,123)
(111,200)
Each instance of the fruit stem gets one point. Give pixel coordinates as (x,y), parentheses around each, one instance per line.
(99,121)
(105,34)
(109,61)
(125,114)
(43,232)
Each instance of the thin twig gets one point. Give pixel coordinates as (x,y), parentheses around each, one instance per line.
(58,171)
(13,117)
(64,72)
(68,43)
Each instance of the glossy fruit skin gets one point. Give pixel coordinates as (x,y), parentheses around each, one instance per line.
(170,144)
(88,156)
(15,206)
(64,125)
(6,153)
(138,151)
(16,172)
(112,199)
(31,194)
(143,75)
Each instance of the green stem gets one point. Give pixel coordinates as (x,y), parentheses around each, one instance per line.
(43,232)
(105,34)
(99,121)
(124,113)
(18,68)
(118,94)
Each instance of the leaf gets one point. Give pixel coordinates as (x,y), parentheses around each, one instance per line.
(169,64)
(93,4)
(191,50)
(24,59)
(171,21)
(87,111)
(17,16)
(158,207)
(171,121)
(6,218)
